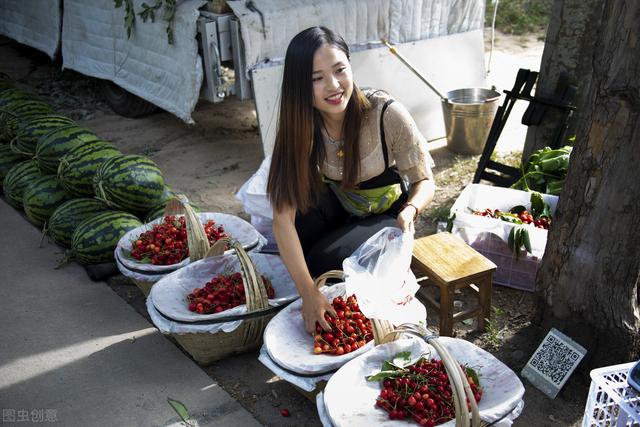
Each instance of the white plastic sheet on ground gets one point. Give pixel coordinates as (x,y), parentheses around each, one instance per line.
(349,399)
(267,26)
(234,226)
(95,43)
(169,294)
(35,23)
(480,197)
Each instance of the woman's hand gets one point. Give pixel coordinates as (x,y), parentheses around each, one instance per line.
(406,218)
(314,306)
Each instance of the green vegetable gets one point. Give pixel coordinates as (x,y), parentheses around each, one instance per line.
(544,167)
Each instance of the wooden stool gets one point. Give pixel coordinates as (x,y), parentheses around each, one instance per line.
(451,264)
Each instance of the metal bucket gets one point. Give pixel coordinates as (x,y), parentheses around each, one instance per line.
(468,116)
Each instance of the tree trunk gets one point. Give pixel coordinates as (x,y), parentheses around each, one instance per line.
(568,48)
(589,279)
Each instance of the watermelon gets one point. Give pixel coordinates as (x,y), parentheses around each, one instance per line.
(66,218)
(10,95)
(129,182)
(29,132)
(12,113)
(77,168)
(5,84)
(41,198)
(8,159)
(60,141)
(96,238)
(17,180)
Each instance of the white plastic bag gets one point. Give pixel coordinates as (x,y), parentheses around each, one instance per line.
(379,274)
(253,193)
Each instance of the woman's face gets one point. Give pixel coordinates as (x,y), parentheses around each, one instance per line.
(332,80)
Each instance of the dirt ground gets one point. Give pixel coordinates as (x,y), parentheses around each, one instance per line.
(209,161)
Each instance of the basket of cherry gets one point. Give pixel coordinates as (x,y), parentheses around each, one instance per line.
(307,361)
(426,381)
(221,304)
(145,254)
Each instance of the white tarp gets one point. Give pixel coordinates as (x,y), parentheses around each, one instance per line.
(267,26)
(95,43)
(35,23)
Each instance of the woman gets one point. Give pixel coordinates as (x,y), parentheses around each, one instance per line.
(338,162)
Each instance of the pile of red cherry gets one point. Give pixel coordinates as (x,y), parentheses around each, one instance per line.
(350,330)
(422,392)
(166,243)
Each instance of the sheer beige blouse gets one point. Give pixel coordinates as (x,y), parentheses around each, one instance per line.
(406,146)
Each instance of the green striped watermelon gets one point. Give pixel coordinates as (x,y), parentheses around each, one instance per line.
(8,159)
(5,84)
(12,113)
(60,141)
(41,198)
(95,239)
(66,218)
(17,180)
(29,132)
(129,182)
(77,169)
(9,95)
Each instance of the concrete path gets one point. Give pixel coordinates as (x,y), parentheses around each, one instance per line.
(72,353)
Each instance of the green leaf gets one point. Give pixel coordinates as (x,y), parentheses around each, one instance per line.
(473,374)
(383,375)
(402,359)
(518,209)
(180,409)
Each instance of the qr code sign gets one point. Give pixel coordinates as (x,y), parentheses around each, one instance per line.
(553,362)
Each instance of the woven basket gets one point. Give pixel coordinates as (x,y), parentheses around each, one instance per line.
(381,330)
(206,348)
(196,236)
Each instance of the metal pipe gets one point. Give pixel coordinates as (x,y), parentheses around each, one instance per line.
(412,68)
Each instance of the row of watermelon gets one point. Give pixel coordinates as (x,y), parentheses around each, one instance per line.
(86,191)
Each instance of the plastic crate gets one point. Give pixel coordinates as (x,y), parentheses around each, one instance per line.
(611,401)
(515,273)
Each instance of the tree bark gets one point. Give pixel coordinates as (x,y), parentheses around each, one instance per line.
(568,48)
(589,279)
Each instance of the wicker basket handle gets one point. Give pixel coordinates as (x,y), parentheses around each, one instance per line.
(457,377)
(254,288)
(196,236)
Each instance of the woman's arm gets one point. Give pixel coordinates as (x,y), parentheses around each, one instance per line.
(420,196)
(314,303)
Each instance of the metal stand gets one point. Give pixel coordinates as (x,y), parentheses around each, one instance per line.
(504,175)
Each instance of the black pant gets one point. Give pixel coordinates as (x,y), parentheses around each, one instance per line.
(328,233)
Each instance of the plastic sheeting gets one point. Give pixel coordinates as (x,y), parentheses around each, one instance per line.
(94,42)
(267,26)
(35,23)
(502,396)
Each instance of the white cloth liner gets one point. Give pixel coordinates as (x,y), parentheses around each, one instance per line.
(268,28)
(349,398)
(479,197)
(34,23)
(169,294)
(507,421)
(306,383)
(95,43)
(234,226)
